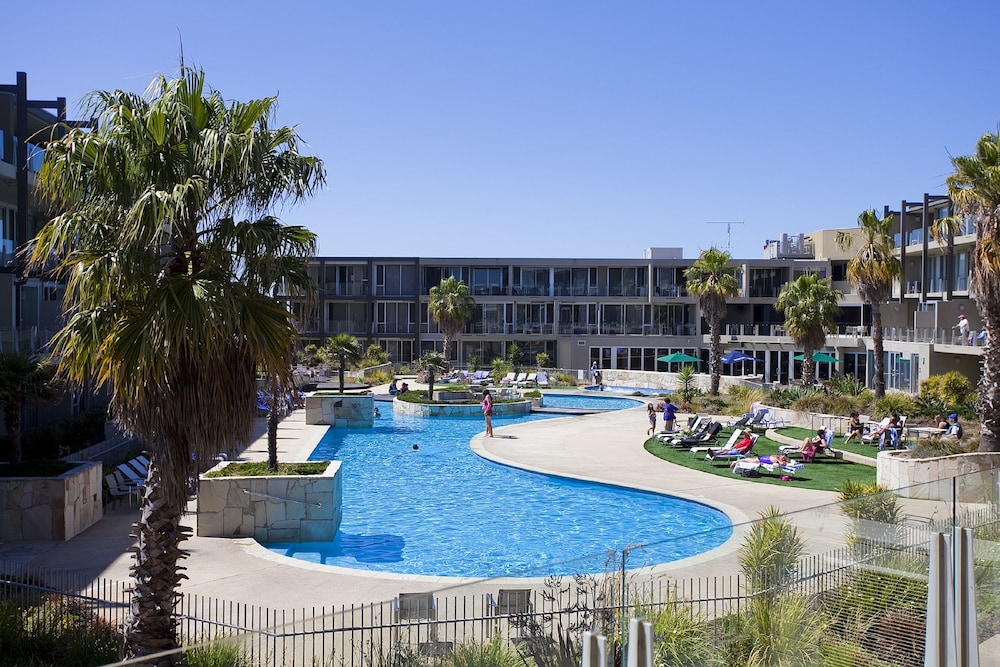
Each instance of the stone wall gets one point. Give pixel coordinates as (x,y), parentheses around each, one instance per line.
(459,410)
(51,508)
(932,479)
(294,508)
(667,381)
(341,410)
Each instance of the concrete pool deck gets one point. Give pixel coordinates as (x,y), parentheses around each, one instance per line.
(605,447)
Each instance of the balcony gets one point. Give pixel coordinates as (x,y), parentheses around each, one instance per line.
(401,328)
(670,291)
(535,329)
(578,328)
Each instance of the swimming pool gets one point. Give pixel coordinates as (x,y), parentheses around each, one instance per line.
(645,391)
(442,510)
(577,401)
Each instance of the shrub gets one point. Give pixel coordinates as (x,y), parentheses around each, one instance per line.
(894,403)
(949,392)
(219,653)
(65,436)
(378,377)
(743,398)
(927,448)
(500,368)
(497,652)
(474,362)
(564,379)
(846,385)
(542,360)
(829,404)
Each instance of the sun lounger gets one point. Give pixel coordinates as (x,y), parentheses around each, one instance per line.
(747,468)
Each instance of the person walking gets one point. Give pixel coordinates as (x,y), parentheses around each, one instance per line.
(651,413)
(488,412)
(963,329)
(669,415)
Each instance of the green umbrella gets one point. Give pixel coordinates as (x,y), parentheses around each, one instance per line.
(819,356)
(677,357)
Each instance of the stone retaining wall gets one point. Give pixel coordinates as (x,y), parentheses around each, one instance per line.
(932,479)
(51,508)
(460,410)
(341,410)
(667,381)
(294,508)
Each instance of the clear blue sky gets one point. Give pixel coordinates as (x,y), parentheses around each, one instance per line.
(564,128)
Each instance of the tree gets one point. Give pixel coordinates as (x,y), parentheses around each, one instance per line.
(451,307)
(160,213)
(346,349)
(872,272)
(810,305)
(24,378)
(432,362)
(712,281)
(974,189)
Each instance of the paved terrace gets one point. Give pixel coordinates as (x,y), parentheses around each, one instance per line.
(605,447)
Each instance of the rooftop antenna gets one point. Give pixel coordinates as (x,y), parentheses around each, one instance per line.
(729,231)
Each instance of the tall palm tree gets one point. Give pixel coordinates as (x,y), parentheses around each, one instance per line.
(24,378)
(346,349)
(810,305)
(713,281)
(872,272)
(974,189)
(160,212)
(451,307)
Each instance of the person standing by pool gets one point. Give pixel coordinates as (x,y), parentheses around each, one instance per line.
(594,372)
(651,412)
(669,415)
(488,412)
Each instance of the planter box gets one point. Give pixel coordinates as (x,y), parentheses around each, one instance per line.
(341,410)
(51,508)
(291,508)
(459,410)
(932,479)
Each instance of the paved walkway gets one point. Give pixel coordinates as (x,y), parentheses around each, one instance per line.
(606,447)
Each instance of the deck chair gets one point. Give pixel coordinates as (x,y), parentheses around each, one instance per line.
(733,438)
(740,422)
(729,455)
(508,379)
(757,419)
(139,467)
(827,446)
(117,493)
(708,435)
(748,468)
(869,437)
(508,602)
(131,475)
(542,379)
(414,611)
(529,381)
(696,425)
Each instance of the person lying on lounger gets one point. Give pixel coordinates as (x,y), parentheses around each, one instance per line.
(766,460)
(742,446)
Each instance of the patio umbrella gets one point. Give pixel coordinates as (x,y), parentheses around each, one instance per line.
(736,356)
(677,357)
(819,356)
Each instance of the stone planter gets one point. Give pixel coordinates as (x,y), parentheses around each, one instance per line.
(292,508)
(973,475)
(341,410)
(51,508)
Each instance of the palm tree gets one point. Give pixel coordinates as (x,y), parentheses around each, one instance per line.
(432,362)
(713,281)
(974,189)
(160,212)
(872,272)
(810,305)
(346,349)
(451,307)
(24,378)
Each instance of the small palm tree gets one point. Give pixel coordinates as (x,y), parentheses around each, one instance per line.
(346,349)
(810,305)
(24,378)
(974,189)
(713,281)
(432,362)
(451,307)
(872,272)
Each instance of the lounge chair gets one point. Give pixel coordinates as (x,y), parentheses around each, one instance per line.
(710,433)
(731,454)
(748,468)
(519,380)
(131,475)
(741,421)
(790,450)
(508,379)
(733,438)
(757,419)
(542,379)
(508,602)
(696,425)
(415,611)
(529,381)
(117,492)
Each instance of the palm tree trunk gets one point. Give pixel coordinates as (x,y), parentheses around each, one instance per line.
(12,421)
(272,429)
(715,352)
(808,368)
(156,576)
(989,400)
(878,381)
(340,373)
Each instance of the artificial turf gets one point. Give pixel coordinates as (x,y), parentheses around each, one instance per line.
(825,473)
(855,446)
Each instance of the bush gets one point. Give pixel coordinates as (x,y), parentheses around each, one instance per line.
(564,379)
(829,404)
(378,377)
(65,436)
(949,392)
(743,398)
(894,403)
(542,360)
(497,652)
(846,385)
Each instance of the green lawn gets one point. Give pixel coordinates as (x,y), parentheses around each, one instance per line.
(826,473)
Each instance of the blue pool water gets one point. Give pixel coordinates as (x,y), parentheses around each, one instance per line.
(611,389)
(590,402)
(442,510)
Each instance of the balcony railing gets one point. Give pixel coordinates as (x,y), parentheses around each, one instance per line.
(348,289)
(348,326)
(936,336)
(401,328)
(670,290)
